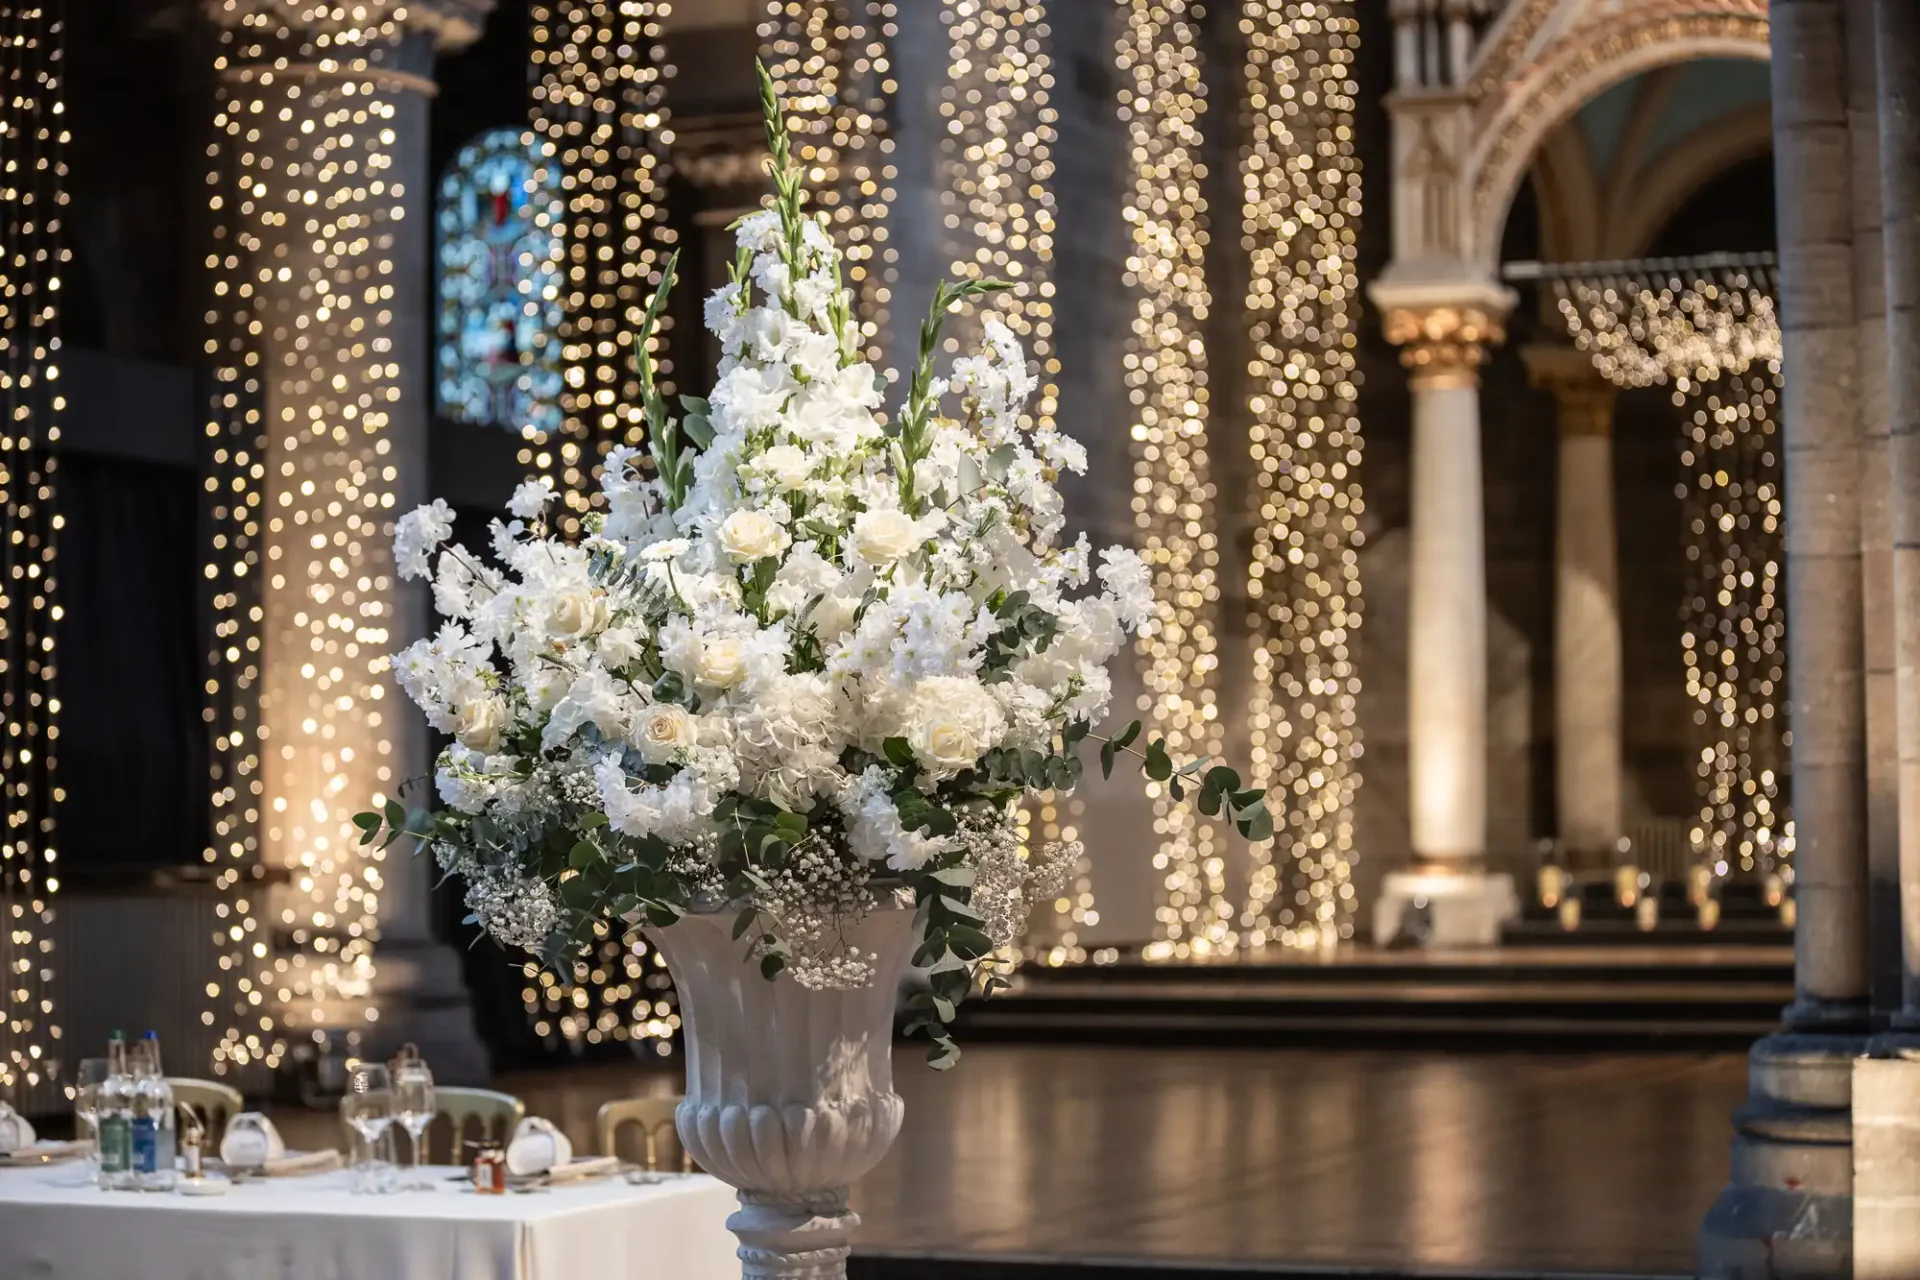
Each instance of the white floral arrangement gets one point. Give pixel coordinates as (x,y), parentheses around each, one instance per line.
(808,656)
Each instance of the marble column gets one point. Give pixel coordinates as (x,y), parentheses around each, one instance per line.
(1787,1210)
(1443,330)
(337,221)
(1586,615)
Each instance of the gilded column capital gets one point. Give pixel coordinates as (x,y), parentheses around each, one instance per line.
(1583,395)
(1444,344)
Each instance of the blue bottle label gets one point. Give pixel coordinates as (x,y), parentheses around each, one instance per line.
(146,1152)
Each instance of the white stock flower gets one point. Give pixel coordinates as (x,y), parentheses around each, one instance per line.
(662,729)
(531,497)
(883,536)
(417,534)
(747,535)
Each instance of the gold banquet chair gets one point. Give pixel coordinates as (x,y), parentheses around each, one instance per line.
(213,1102)
(482,1114)
(654,1117)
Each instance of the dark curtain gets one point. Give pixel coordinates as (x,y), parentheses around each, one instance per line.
(133,748)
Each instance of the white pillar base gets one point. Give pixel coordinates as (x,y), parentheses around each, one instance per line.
(1464,909)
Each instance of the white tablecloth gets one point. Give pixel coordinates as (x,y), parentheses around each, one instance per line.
(316,1228)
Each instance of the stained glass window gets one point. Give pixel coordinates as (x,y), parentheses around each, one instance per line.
(500,216)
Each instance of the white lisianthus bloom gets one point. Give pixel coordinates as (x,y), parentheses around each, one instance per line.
(577,613)
(785,466)
(952,722)
(417,534)
(619,646)
(883,536)
(531,498)
(748,535)
(661,730)
(481,723)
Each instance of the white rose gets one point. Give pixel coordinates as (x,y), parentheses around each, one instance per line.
(480,724)
(832,616)
(953,722)
(722,663)
(660,730)
(576,614)
(883,536)
(747,536)
(786,466)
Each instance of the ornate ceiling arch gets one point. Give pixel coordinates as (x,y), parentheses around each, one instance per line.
(1544,58)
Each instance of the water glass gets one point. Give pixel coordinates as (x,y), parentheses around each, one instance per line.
(368,1110)
(413,1108)
(92,1073)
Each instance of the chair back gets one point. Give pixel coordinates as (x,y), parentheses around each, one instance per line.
(654,1117)
(213,1102)
(484,1114)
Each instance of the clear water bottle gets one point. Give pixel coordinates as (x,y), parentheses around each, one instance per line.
(115,1119)
(154,1120)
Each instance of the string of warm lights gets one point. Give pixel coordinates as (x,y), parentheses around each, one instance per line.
(831,68)
(997,160)
(1300,215)
(599,114)
(306,206)
(33,256)
(599,104)
(1713,335)
(1162,102)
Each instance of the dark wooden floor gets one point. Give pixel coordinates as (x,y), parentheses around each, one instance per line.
(1394,1161)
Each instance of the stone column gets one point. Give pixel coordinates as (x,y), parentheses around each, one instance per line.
(1586,616)
(336,223)
(1886,1085)
(1788,1208)
(1442,329)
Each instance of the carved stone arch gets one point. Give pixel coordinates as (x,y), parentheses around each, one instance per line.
(1579,64)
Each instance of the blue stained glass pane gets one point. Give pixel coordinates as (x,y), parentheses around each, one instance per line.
(499,224)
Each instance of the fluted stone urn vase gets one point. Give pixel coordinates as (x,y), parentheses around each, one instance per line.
(789,1091)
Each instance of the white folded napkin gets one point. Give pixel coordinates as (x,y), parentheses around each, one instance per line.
(537,1147)
(302,1164)
(250,1142)
(15,1133)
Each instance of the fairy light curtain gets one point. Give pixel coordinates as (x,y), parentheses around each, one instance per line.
(300,489)
(33,257)
(831,67)
(499,250)
(599,116)
(595,165)
(1709,331)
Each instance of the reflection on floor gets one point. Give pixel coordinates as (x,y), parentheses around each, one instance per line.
(1423,1161)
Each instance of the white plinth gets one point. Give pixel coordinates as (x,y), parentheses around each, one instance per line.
(1466,909)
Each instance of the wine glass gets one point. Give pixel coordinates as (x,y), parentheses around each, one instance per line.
(368,1110)
(92,1073)
(413,1108)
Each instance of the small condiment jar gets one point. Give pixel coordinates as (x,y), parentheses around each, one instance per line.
(489,1168)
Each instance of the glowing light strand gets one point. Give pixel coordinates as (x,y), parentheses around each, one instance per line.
(1162,105)
(601,122)
(599,104)
(309,206)
(1300,214)
(831,67)
(1713,336)
(33,256)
